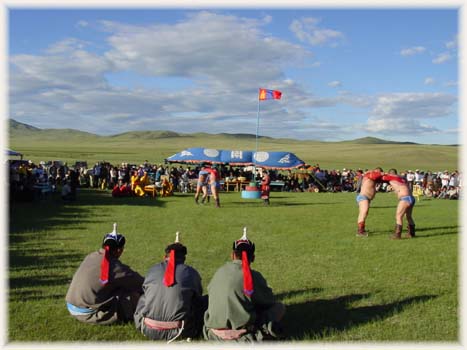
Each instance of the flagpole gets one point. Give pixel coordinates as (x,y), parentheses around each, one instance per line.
(256,150)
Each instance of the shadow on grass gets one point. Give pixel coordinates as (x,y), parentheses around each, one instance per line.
(259,203)
(32,255)
(89,196)
(446,230)
(24,295)
(292,293)
(38,281)
(320,317)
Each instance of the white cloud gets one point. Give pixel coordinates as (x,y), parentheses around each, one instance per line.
(429,81)
(451,84)
(212,54)
(70,85)
(335,84)
(406,113)
(442,58)
(82,23)
(411,51)
(452,44)
(308,30)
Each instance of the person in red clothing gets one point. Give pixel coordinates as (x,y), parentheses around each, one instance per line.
(365,196)
(406,203)
(214,183)
(265,187)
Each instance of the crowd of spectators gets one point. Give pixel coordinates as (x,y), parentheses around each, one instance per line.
(29,180)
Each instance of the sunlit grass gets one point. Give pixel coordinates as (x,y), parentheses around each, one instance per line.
(337,287)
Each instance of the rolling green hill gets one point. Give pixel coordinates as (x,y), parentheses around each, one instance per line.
(137,146)
(376,141)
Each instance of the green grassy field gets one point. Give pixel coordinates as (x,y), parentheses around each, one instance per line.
(337,287)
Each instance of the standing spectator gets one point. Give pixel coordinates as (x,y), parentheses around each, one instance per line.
(410,179)
(265,187)
(73,179)
(96,174)
(418,178)
(113,176)
(453,179)
(445,177)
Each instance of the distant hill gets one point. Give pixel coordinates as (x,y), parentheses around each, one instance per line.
(148,135)
(18,129)
(376,141)
(137,146)
(15,126)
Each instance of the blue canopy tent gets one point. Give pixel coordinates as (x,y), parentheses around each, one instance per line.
(196,156)
(277,160)
(267,160)
(12,153)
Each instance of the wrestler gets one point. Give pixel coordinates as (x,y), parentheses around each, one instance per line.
(201,185)
(214,183)
(405,205)
(365,196)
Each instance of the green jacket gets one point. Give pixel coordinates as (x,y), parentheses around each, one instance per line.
(228,306)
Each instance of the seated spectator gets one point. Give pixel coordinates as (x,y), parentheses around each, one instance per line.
(144,180)
(166,188)
(172,306)
(136,184)
(103,290)
(241,305)
(67,194)
(452,193)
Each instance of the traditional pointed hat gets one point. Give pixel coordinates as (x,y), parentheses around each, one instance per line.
(111,240)
(247,248)
(174,250)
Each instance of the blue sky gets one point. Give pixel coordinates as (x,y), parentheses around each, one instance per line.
(344,73)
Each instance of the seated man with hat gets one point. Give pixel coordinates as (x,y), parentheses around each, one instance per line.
(241,305)
(172,306)
(103,290)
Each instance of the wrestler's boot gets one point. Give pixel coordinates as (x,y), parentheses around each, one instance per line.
(361,230)
(411,231)
(397,232)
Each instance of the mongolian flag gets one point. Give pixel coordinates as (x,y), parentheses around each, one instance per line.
(265,94)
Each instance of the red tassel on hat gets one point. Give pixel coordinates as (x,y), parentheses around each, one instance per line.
(247,279)
(105,266)
(169,276)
